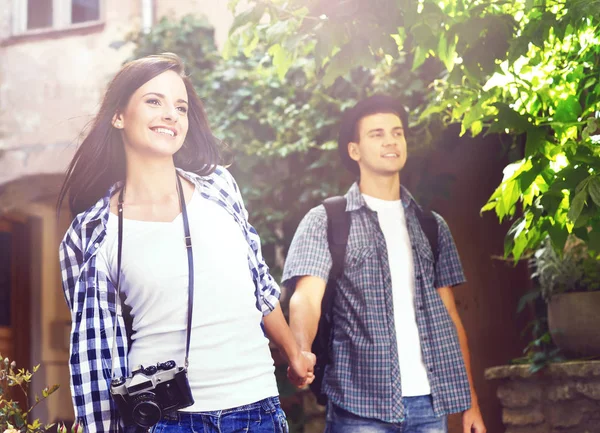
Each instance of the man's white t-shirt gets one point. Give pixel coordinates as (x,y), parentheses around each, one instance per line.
(413,373)
(230,361)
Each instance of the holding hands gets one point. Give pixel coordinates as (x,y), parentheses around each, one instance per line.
(301,369)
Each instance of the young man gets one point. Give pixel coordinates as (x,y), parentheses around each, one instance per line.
(399,350)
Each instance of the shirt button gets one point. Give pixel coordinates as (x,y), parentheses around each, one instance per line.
(97,245)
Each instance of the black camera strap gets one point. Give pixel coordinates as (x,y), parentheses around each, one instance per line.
(190,255)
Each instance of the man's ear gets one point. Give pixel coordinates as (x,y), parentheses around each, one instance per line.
(117,121)
(353,151)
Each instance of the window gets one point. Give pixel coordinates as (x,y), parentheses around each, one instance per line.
(35,15)
(39,14)
(85,10)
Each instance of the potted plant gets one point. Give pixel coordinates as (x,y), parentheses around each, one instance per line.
(569,282)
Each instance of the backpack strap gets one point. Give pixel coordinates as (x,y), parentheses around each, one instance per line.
(338,228)
(430,227)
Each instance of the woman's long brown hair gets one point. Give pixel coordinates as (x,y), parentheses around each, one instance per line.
(99,162)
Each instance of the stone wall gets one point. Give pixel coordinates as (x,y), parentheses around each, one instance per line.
(563,398)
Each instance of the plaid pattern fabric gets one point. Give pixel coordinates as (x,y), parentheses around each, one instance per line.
(91,297)
(364,375)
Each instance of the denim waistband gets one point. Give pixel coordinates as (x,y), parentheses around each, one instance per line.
(269,404)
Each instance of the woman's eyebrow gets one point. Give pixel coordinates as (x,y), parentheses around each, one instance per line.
(160,95)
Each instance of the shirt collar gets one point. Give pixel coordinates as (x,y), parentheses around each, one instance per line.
(355,199)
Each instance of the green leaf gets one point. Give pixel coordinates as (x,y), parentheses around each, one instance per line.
(594,189)
(277,31)
(519,247)
(558,236)
(476,128)
(534,141)
(528,176)
(353,54)
(386,43)
(514,238)
(488,206)
(250,16)
(509,119)
(424,36)
(510,195)
(472,115)
(568,110)
(550,201)
(250,47)
(329,38)
(282,60)
(420,55)
(447,51)
(577,205)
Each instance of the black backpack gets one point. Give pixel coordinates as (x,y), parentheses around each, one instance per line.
(338,228)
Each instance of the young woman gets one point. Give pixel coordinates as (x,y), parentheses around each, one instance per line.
(163,273)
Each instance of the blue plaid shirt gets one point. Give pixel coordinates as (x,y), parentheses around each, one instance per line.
(90,295)
(364,374)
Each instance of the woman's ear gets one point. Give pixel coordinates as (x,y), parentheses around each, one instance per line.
(117,121)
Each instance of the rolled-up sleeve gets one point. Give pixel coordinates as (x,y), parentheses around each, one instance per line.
(309,251)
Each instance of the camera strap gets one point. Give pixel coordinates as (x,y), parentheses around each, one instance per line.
(190,255)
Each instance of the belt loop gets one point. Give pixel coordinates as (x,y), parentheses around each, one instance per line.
(269,404)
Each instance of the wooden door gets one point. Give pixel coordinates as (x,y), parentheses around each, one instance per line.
(15,290)
(6,288)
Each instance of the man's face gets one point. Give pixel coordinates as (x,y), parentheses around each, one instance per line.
(381,147)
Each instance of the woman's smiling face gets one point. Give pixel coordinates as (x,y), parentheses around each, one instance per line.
(155,120)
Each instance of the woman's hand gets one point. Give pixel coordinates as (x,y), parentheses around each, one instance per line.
(301,370)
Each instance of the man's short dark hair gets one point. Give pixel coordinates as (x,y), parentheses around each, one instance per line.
(352,116)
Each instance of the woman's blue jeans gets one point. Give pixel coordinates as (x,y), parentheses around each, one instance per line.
(265,416)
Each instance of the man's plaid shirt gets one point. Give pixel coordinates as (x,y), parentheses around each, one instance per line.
(364,375)
(91,297)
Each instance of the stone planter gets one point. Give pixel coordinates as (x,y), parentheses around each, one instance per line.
(574,322)
(562,398)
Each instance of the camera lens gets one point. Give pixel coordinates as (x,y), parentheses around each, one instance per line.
(146,412)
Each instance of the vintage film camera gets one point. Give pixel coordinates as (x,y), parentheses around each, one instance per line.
(151,392)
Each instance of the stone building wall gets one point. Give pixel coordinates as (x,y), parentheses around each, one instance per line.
(563,398)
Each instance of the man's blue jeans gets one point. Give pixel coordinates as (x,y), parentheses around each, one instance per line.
(265,416)
(419,418)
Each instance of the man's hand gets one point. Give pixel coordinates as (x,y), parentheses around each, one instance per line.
(301,370)
(473,421)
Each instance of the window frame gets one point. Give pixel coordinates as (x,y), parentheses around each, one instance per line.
(61,18)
